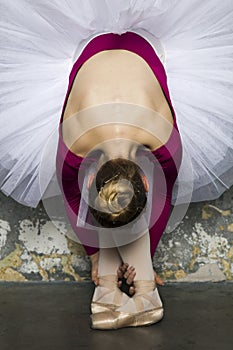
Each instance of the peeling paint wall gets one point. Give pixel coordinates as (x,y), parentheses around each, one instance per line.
(200,249)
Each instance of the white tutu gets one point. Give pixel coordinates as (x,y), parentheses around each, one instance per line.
(40,40)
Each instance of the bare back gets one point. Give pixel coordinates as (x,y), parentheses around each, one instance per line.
(116,76)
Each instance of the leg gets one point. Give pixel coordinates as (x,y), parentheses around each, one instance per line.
(155,234)
(126,275)
(137,254)
(107,293)
(145,307)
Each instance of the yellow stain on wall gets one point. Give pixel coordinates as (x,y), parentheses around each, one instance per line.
(67,268)
(75,247)
(196,252)
(42,272)
(230,254)
(65,262)
(8,274)
(9,264)
(227,269)
(167,274)
(230,227)
(180,274)
(206,213)
(13,259)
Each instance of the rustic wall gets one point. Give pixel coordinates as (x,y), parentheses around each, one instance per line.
(200,249)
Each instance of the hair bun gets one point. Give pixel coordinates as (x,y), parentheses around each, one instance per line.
(121,197)
(114,196)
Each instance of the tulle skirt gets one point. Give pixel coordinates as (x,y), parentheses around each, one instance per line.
(40,41)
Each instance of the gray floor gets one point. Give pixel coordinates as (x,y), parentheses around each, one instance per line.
(56,316)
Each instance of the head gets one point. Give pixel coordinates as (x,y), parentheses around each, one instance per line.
(120,193)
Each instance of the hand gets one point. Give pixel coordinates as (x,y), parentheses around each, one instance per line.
(126,276)
(94,271)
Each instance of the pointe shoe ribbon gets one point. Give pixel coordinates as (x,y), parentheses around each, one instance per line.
(110,283)
(141,290)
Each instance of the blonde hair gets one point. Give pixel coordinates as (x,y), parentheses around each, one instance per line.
(120,195)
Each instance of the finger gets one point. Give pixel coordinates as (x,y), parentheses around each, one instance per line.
(158,280)
(128,272)
(94,277)
(131,277)
(96,281)
(132,290)
(119,284)
(124,267)
(121,270)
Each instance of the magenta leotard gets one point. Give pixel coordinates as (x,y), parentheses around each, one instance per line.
(68,164)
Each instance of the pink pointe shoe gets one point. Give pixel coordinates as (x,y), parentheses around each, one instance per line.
(114,319)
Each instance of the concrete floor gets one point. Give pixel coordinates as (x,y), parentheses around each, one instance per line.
(56,316)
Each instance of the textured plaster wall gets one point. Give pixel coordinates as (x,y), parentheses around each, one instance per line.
(200,249)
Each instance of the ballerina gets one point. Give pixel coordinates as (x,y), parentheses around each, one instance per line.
(114,61)
(116,54)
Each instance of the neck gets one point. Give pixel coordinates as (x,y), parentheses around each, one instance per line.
(119,148)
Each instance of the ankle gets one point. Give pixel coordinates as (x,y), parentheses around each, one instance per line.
(108,280)
(108,292)
(144,286)
(146,274)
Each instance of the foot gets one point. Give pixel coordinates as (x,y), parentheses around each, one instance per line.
(144,308)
